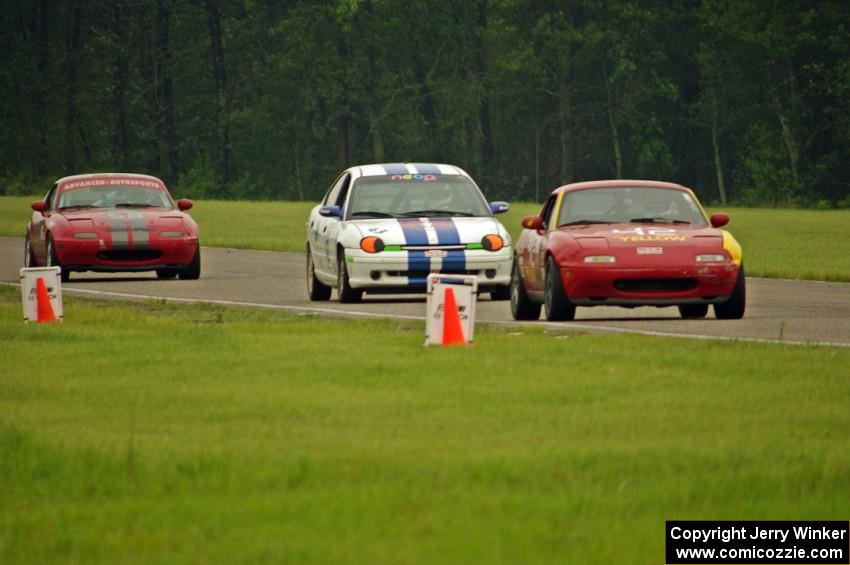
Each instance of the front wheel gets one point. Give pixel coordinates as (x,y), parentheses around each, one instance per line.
(346,294)
(558,307)
(193,271)
(522,307)
(53,261)
(733,309)
(29,257)
(316,289)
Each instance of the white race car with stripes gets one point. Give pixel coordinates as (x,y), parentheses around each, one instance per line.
(384,228)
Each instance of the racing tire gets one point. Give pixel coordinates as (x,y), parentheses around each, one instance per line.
(53,261)
(346,294)
(29,257)
(501,293)
(316,289)
(166,273)
(688,311)
(733,309)
(193,271)
(522,307)
(555,302)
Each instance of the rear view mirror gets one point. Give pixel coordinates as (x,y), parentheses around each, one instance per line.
(532,222)
(499,207)
(719,219)
(39,206)
(330,211)
(184,204)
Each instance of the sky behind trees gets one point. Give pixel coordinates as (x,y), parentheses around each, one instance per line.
(746,101)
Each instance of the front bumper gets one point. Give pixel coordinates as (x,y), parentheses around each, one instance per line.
(408,270)
(671,285)
(91,255)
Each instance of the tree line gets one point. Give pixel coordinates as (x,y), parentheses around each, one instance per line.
(747,101)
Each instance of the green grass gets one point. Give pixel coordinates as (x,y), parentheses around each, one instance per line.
(155,433)
(796,244)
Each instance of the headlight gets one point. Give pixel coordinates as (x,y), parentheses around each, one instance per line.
(711,258)
(372,244)
(171,234)
(600,259)
(85,235)
(492,242)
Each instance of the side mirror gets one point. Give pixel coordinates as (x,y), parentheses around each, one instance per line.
(532,222)
(719,219)
(184,204)
(499,207)
(39,206)
(330,211)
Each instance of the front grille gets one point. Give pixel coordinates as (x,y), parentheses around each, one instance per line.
(655,285)
(130,255)
(417,274)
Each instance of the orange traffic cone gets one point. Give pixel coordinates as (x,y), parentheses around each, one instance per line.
(45,308)
(452,330)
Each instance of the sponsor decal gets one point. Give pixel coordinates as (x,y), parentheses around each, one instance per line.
(377,230)
(88,183)
(436,253)
(639,234)
(650,250)
(416,177)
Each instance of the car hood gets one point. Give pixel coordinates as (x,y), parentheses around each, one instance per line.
(429,231)
(633,235)
(123,218)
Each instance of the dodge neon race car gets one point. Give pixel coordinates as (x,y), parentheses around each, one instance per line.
(113,222)
(384,228)
(626,243)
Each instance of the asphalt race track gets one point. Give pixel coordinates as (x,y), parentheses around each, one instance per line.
(777,310)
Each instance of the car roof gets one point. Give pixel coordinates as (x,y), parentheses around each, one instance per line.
(109,175)
(382,169)
(620,183)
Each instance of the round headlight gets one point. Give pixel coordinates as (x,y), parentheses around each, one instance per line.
(372,244)
(492,242)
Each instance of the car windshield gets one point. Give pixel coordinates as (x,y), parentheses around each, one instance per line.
(398,196)
(630,205)
(107,196)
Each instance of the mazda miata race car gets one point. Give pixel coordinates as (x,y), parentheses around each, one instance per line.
(626,243)
(384,228)
(113,222)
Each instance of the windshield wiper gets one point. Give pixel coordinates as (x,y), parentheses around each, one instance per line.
(583,223)
(659,220)
(373,214)
(77,206)
(423,213)
(135,205)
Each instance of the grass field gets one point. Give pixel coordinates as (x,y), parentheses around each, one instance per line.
(801,244)
(153,433)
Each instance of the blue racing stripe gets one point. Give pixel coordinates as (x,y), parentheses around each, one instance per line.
(417,262)
(447,235)
(414,231)
(446,231)
(427,169)
(418,266)
(396,169)
(455,261)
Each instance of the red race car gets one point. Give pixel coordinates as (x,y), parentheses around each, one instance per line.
(626,243)
(113,222)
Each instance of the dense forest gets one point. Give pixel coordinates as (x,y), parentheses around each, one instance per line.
(746,101)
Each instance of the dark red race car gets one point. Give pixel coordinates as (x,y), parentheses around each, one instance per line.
(626,243)
(113,222)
